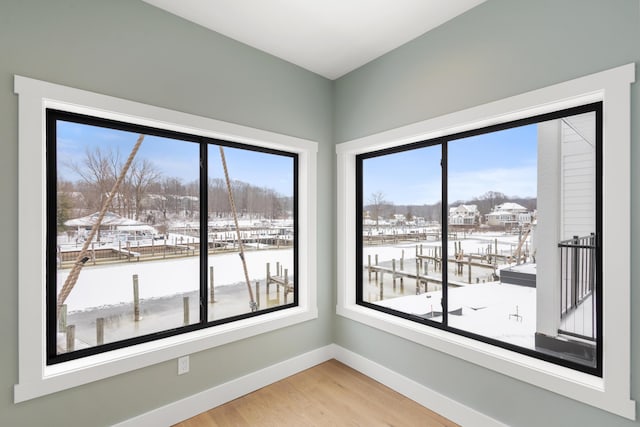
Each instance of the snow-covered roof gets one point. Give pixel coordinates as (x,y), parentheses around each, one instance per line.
(510,206)
(136,228)
(463,209)
(500,213)
(110,218)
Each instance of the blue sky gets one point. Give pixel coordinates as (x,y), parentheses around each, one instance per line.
(504,161)
(174,158)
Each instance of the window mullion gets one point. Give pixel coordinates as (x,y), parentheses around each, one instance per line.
(204,231)
(444,236)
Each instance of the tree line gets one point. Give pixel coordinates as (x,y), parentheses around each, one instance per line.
(148,195)
(379,207)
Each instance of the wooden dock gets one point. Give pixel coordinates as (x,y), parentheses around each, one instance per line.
(421,274)
(407,274)
(280,279)
(126,252)
(370,239)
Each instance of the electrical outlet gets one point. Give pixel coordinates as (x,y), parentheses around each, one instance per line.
(183,365)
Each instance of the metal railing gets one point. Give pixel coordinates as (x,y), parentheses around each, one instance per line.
(577,272)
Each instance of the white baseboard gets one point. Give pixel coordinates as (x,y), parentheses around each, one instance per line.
(443,405)
(201,402)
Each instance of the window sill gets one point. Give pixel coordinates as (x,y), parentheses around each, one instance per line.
(582,387)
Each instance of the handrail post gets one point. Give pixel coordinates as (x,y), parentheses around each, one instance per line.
(574,272)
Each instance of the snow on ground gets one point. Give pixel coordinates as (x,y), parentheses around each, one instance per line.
(488,309)
(106,285)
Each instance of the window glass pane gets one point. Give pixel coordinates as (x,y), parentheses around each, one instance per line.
(568,256)
(401,231)
(492,192)
(259,224)
(522,221)
(127,255)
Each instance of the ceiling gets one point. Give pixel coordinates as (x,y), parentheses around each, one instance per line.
(327,37)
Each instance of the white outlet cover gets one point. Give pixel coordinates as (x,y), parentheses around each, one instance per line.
(183,365)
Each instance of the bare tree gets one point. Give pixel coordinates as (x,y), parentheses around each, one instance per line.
(64,203)
(121,199)
(174,191)
(489,200)
(377,203)
(218,197)
(251,201)
(409,214)
(143,174)
(98,171)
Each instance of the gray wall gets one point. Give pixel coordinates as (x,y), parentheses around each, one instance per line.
(131,50)
(499,49)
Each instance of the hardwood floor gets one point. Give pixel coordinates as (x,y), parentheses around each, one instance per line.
(330,394)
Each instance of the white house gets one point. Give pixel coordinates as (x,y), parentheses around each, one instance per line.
(464,215)
(509,214)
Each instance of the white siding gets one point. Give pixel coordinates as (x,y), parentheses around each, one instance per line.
(578,176)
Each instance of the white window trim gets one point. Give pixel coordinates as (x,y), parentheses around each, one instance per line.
(35,378)
(611,392)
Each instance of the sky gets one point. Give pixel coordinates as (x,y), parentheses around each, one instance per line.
(504,161)
(174,158)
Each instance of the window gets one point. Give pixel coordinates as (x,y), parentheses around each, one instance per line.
(139,199)
(578,190)
(492,234)
(146,226)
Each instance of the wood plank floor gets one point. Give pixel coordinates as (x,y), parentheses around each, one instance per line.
(330,394)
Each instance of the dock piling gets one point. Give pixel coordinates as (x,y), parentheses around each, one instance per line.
(286,284)
(211,287)
(417,277)
(257,293)
(393,269)
(185,307)
(100,331)
(136,299)
(376,265)
(71,337)
(268,277)
(62,320)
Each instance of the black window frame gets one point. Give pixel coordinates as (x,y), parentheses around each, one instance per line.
(595,107)
(51,323)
